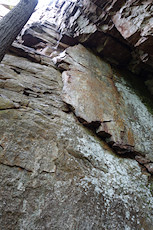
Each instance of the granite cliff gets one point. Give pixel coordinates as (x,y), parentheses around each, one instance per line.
(76,131)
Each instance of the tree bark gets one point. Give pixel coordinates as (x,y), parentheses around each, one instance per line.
(12,23)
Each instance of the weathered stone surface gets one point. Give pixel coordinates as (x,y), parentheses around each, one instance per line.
(149,167)
(123,30)
(142,160)
(114,22)
(56,174)
(134,21)
(101,98)
(119,31)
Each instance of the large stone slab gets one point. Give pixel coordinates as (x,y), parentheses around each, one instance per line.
(54,172)
(99,96)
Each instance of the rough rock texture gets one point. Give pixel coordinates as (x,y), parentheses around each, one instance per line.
(56,174)
(105,102)
(76,138)
(119,31)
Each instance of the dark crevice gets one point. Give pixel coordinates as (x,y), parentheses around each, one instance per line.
(27,91)
(91,125)
(16,70)
(18,52)
(47,93)
(16,166)
(124,154)
(9,108)
(29,40)
(122,151)
(1,147)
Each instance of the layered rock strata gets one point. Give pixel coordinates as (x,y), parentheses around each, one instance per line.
(55,173)
(119,31)
(76,138)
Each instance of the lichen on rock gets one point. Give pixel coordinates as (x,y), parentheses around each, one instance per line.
(76,139)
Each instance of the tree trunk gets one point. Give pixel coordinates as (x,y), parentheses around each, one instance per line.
(12,23)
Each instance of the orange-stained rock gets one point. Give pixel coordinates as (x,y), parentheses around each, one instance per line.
(56,173)
(103,101)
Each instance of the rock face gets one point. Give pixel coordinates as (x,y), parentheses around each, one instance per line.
(76,138)
(119,31)
(104,101)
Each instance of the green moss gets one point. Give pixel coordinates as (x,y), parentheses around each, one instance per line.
(137,84)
